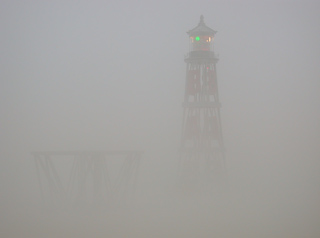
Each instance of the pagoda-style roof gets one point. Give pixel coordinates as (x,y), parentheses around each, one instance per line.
(201,29)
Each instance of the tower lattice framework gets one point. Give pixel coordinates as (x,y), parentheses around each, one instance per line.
(202,148)
(100,178)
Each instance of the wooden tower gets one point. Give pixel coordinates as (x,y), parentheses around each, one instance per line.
(202,151)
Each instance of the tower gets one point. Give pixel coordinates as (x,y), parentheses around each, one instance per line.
(100,178)
(202,155)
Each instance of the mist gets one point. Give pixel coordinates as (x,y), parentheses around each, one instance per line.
(110,76)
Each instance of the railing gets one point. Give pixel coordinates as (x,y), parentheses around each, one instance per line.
(201,54)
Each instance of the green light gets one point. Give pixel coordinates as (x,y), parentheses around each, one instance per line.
(197,38)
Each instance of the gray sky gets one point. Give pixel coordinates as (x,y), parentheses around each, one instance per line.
(110,75)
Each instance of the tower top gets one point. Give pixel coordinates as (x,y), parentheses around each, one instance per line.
(202,29)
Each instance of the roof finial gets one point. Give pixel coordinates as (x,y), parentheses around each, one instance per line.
(201,20)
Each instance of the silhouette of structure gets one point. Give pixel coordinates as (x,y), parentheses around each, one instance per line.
(202,151)
(87,177)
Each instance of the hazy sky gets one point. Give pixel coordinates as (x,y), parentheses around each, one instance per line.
(110,75)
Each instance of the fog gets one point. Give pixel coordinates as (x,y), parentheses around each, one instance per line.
(110,75)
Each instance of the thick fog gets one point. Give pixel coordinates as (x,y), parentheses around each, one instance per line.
(110,75)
